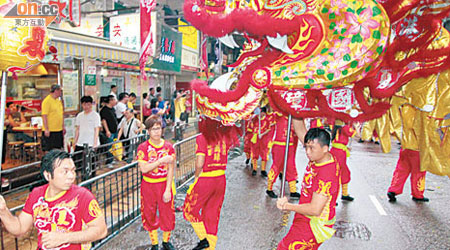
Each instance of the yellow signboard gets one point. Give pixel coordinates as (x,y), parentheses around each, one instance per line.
(190,35)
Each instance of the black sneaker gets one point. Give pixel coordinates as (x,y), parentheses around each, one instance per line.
(377,143)
(203,244)
(253,172)
(420,199)
(271,194)
(247,161)
(154,247)
(391,196)
(347,198)
(280,176)
(263,173)
(295,195)
(361,141)
(167,246)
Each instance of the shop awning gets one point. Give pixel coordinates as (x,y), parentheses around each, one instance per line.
(77,45)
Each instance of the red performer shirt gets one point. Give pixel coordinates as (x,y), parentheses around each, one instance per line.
(69,211)
(216,155)
(149,152)
(343,134)
(323,179)
(281,127)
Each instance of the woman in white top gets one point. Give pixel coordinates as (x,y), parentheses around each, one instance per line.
(129,127)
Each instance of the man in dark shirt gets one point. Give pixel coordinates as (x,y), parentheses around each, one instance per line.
(109,122)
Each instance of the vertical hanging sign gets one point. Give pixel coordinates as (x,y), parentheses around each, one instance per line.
(146,7)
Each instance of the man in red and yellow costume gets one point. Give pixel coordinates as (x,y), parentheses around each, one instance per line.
(316,211)
(205,196)
(409,160)
(278,152)
(340,137)
(260,141)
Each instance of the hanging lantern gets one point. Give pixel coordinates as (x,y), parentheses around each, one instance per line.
(21,47)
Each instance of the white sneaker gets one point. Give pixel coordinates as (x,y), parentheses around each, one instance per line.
(110,166)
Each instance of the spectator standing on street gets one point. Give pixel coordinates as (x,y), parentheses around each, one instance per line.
(129,128)
(146,110)
(152,93)
(53,120)
(65,215)
(131,101)
(121,106)
(180,107)
(156,159)
(87,127)
(113,91)
(158,90)
(159,112)
(109,122)
(16,118)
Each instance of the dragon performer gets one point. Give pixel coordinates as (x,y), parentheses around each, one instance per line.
(337,59)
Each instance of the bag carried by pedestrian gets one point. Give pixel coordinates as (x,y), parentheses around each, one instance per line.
(117,150)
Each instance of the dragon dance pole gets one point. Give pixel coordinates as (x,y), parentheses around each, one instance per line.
(286,153)
(2,114)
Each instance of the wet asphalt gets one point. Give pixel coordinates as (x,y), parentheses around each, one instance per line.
(251,221)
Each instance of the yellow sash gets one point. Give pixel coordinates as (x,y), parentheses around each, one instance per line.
(319,229)
(159,180)
(341,146)
(214,173)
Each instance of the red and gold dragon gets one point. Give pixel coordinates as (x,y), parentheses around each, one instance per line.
(340,59)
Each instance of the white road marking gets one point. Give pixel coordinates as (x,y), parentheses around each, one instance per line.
(377,205)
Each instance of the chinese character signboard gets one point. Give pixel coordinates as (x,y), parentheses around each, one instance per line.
(124,30)
(169,56)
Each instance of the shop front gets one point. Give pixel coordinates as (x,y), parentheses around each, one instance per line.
(166,65)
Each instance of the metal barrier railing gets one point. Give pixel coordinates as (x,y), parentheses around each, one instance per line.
(118,194)
(87,161)
(185,163)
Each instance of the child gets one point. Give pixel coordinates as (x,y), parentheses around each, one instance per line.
(156,159)
(315,213)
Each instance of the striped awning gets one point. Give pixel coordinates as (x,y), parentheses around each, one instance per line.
(77,45)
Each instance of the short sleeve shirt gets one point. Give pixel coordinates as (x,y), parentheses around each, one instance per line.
(343,134)
(216,154)
(87,124)
(149,152)
(281,126)
(68,212)
(109,116)
(53,108)
(120,108)
(323,179)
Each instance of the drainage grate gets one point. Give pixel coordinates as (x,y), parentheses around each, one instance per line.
(351,230)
